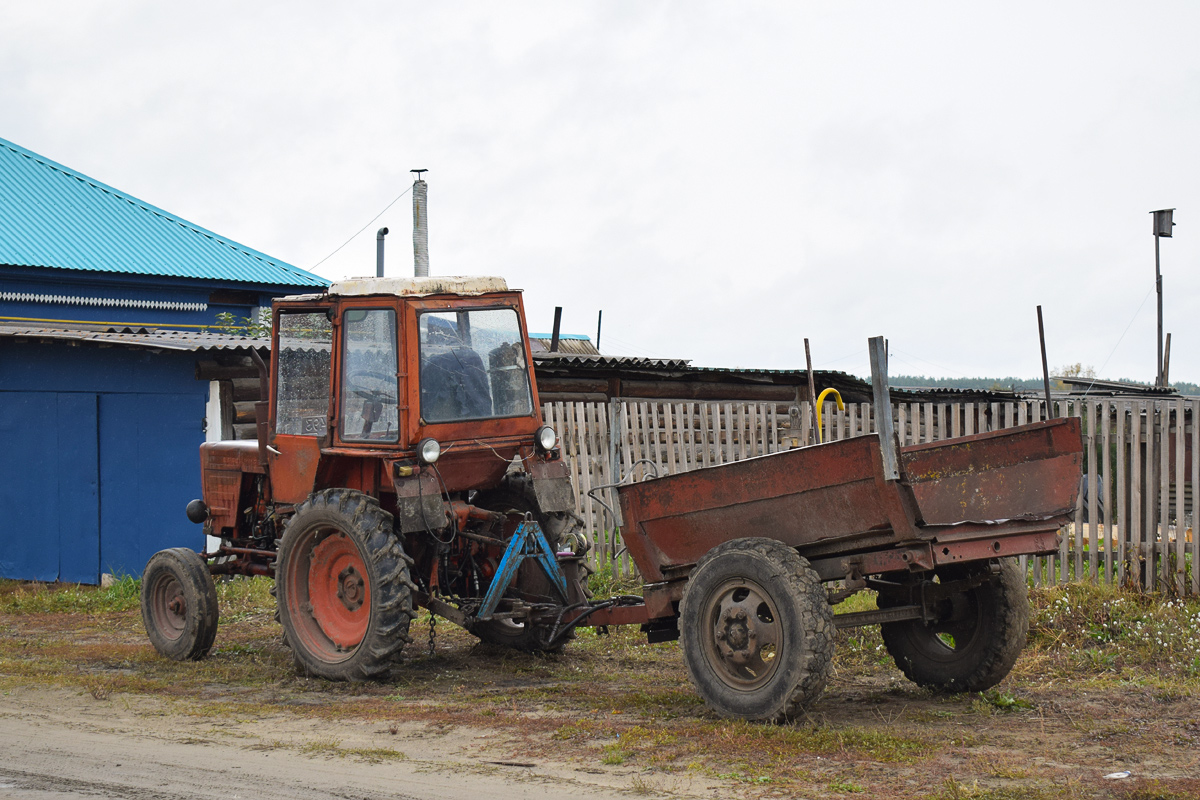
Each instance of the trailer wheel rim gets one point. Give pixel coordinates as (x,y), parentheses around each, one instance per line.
(168,606)
(742,633)
(339,591)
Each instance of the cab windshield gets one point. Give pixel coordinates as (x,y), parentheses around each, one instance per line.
(473,366)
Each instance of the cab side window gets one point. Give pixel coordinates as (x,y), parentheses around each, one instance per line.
(370,386)
(302,393)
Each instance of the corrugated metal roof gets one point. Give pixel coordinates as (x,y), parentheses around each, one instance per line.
(134,336)
(609,362)
(575,345)
(56,217)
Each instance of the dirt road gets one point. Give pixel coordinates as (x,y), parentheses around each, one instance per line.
(57,743)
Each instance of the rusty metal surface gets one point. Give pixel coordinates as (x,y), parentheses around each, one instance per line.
(1028,472)
(797,496)
(832,499)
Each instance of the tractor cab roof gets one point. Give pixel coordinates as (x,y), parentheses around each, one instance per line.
(467,285)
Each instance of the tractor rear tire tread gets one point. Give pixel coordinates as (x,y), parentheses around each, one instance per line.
(359,517)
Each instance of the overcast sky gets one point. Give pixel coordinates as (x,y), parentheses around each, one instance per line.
(722,179)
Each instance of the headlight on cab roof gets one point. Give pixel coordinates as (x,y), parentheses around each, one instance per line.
(546,438)
(428,451)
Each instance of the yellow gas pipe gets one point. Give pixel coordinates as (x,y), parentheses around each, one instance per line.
(821,403)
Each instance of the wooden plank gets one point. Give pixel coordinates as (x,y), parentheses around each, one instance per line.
(1091,415)
(955,420)
(605,523)
(637,429)
(570,448)
(1104,464)
(585,472)
(692,456)
(652,439)
(739,425)
(1164,496)
(705,458)
(1149,498)
(1192,528)
(1119,518)
(1180,566)
(669,423)
(1135,498)
(729,454)
(851,420)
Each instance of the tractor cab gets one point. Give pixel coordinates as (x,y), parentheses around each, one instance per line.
(382,376)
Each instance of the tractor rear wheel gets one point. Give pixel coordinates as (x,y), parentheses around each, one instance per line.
(179,604)
(976,640)
(343,587)
(515,494)
(757,630)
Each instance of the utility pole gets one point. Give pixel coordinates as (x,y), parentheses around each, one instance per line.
(1162,227)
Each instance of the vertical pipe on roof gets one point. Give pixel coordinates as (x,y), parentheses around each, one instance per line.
(420,228)
(379,234)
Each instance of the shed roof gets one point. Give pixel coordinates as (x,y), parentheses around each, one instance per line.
(59,218)
(138,337)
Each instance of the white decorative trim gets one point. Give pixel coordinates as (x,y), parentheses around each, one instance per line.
(107,302)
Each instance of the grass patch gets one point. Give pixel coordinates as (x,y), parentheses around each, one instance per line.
(1107,630)
(19,597)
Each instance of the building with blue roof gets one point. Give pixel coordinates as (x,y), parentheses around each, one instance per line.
(114,367)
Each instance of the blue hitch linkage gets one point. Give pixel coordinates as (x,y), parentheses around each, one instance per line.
(529,541)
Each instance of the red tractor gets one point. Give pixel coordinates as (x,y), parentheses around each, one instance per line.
(401,462)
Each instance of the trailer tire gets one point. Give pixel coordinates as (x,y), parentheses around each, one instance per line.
(343,587)
(757,630)
(179,604)
(516,494)
(974,652)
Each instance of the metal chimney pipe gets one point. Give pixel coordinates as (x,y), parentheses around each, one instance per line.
(554,333)
(420,226)
(379,234)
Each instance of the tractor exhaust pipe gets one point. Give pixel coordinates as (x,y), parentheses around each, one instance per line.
(379,234)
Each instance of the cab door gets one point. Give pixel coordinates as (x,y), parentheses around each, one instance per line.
(302,364)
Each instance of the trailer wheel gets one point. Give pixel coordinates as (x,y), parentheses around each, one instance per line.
(757,630)
(975,643)
(343,587)
(515,494)
(179,604)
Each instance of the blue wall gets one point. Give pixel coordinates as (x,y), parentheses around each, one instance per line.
(101,454)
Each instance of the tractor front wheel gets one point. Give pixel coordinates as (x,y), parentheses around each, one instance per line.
(179,604)
(343,587)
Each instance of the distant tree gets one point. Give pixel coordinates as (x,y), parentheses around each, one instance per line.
(1076,370)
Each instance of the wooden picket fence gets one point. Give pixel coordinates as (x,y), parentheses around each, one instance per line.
(1133,523)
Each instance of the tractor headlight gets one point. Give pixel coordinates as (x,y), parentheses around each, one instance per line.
(428,450)
(546,438)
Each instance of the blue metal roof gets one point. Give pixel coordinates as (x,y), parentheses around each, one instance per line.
(52,216)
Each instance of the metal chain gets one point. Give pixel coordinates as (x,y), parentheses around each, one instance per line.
(432,624)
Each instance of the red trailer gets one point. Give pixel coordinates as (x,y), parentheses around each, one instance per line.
(736,558)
